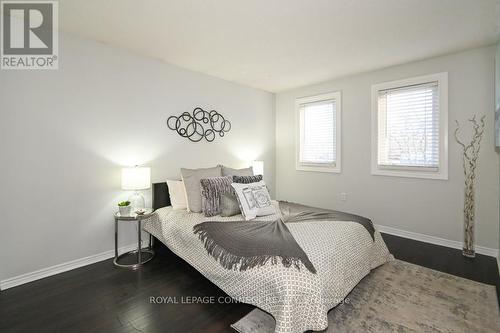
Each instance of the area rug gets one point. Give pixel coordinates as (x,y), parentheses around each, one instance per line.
(402,297)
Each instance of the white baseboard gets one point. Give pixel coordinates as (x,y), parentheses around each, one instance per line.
(60,268)
(67,266)
(434,240)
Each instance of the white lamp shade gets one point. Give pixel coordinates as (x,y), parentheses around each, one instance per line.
(138,178)
(258,168)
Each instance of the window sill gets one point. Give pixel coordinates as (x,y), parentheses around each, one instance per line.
(409,173)
(318,168)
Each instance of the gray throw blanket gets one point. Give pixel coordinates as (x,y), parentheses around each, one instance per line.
(253,244)
(293,212)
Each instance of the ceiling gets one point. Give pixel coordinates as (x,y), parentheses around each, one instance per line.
(276,45)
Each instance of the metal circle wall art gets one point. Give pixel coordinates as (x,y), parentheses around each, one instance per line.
(199,125)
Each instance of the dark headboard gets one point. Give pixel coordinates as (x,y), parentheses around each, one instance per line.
(161,198)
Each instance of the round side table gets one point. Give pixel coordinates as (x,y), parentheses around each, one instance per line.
(142,255)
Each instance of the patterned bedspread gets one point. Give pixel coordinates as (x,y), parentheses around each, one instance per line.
(343,253)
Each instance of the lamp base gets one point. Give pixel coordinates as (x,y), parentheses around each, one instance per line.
(137,201)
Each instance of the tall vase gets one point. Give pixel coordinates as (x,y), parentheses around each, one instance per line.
(469,209)
(469,162)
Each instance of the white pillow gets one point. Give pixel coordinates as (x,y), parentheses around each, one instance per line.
(254,199)
(177,193)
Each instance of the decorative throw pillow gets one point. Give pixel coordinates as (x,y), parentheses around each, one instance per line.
(191,179)
(254,200)
(236,172)
(211,191)
(247,179)
(229,205)
(177,194)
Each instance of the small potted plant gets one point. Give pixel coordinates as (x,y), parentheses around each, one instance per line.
(124,208)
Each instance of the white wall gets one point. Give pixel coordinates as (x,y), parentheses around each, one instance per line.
(65,134)
(497,124)
(432,207)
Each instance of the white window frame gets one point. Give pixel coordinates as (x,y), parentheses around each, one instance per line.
(413,172)
(319,167)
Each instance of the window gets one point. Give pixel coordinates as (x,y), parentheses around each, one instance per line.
(409,127)
(318,139)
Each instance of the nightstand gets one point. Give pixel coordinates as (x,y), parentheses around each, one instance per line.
(141,255)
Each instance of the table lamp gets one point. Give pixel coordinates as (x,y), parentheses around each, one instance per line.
(135,179)
(258,168)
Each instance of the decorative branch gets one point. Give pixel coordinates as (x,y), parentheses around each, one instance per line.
(470,155)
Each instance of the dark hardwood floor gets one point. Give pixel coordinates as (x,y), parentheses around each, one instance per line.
(104,298)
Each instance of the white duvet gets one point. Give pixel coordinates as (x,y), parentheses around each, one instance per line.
(342,253)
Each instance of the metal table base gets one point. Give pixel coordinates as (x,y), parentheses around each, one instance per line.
(143,255)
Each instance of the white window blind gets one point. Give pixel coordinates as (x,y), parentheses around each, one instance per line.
(318,133)
(408,126)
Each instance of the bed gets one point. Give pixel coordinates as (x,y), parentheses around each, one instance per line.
(343,253)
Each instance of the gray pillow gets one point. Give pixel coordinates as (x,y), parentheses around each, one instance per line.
(211,191)
(229,205)
(236,172)
(247,179)
(191,179)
